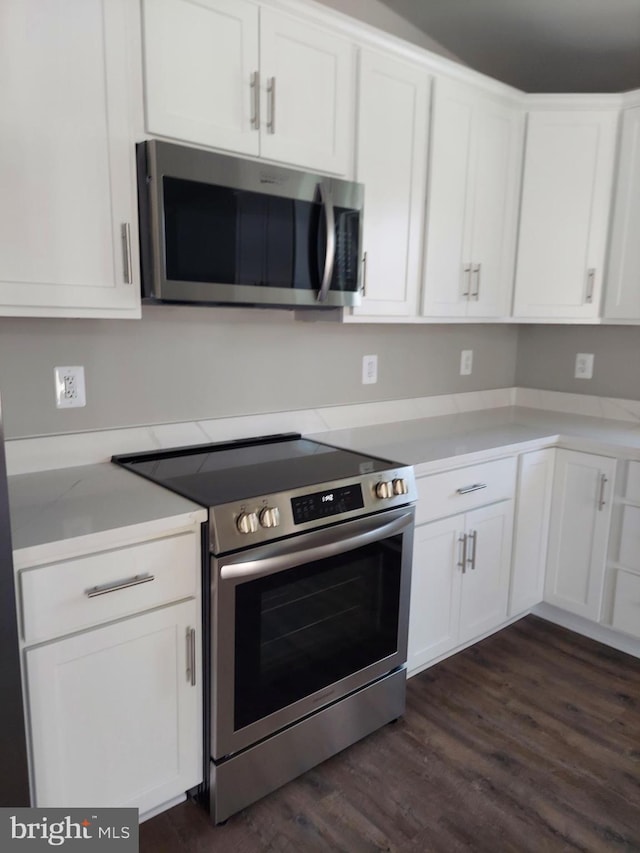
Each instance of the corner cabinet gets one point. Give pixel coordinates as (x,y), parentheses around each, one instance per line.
(234,75)
(566,195)
(622,300)
(474,179)
(68,209)
(393,109)
(112,652)
(583,487)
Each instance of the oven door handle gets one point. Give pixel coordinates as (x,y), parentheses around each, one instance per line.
(374,532)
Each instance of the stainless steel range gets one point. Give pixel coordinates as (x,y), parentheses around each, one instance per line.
(306,625)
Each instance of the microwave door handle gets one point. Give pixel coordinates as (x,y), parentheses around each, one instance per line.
(330,254)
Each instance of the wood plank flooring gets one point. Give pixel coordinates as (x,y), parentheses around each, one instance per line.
(528,741)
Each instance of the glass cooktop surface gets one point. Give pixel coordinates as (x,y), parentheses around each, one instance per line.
(215,474)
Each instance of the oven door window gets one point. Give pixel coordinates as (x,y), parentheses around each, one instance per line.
(303,629)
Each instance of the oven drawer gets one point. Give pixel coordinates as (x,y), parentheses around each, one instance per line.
(72,595)
(463,489)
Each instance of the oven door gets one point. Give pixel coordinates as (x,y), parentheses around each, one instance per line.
(300,623)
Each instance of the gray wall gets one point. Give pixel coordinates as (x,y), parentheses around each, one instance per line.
(181,364)
(547,354)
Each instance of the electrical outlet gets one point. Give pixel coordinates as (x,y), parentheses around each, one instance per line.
(584,365)
(70,390)
(369,369)
(466,362)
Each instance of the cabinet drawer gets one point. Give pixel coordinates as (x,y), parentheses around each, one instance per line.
(55,598)
(626,604)
(465,488)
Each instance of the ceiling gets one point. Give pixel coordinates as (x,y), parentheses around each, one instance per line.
(538,45)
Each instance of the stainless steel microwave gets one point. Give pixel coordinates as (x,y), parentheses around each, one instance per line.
(221,230)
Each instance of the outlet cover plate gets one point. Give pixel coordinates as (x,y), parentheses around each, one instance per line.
(584,365)
(466,362)
(69,387)
(369,369)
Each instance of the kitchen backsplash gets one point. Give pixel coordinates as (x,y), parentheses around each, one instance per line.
(187,364)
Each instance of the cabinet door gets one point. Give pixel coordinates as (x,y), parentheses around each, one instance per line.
(307,77)
(391,163)
(531,529)
(580,515)
(435,590)
(498,141)
(67,170)
(448,237)
(623,282)
(115,719)
(564,216)
(485,584)
(200,60)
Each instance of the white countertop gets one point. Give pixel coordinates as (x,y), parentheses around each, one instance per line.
(67,512)
(433,443)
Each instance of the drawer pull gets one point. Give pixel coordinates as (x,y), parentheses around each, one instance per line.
(103,589)
(475,488)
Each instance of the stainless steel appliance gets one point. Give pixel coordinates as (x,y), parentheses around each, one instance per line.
(308,574)
(221,230)
(14,776)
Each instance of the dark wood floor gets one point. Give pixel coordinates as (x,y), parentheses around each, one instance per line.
(528,741)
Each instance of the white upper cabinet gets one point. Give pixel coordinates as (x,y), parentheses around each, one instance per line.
(622,300)
(391,163)
(564,217)
(230,74)
(68,208)
(475,162)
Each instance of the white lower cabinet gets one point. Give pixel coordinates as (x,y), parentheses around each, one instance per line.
(460,582)
(114,713)
(111,646)
(579,531)
(531,529)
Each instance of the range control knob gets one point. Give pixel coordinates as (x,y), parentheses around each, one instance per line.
(270,516)
(400,487)
(247,522)
(384,489)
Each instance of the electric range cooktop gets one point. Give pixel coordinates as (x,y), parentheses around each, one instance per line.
(265,488)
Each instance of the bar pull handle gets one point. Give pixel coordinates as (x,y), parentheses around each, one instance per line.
(465,490)
(255,89)
(466,281)
(591,278)
(363,288)
(330,254)
(103,589)
(191,656)
(601,501)
(462,562)
(475,272)
(271,89)
(473,538)
(125,235)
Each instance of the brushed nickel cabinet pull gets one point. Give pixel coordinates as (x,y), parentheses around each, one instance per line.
(103,589)
(125,234)
(466,281)
(363,288)
(191,656)
(255,88)
(591,277)
(601,500)
(473,537)
(475,271)
(271,89)
(465,490)
(462,562)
